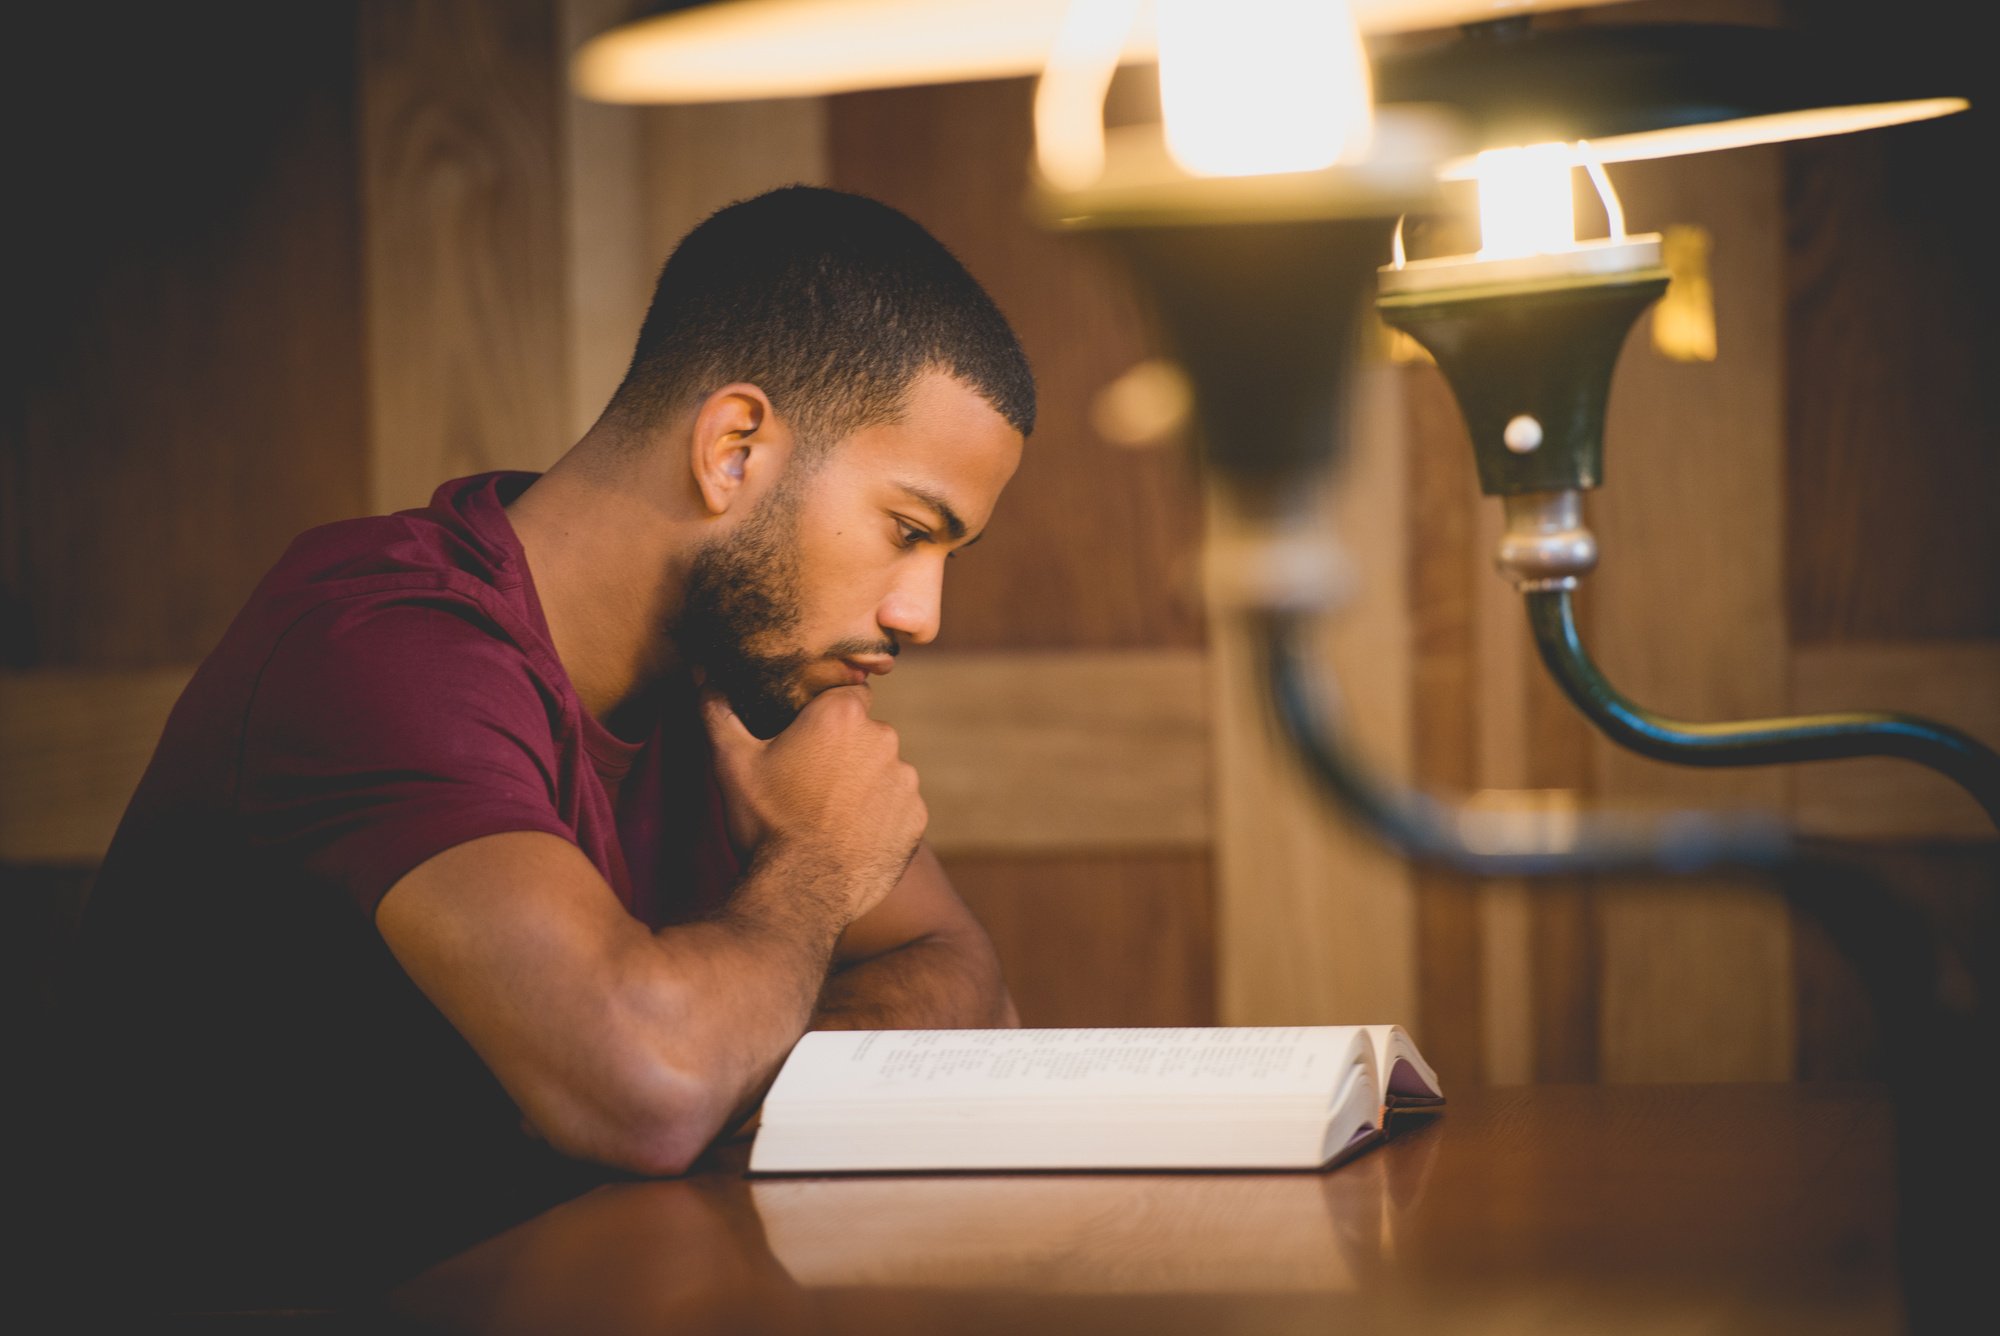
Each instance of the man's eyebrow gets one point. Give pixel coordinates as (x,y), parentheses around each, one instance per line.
(954,527)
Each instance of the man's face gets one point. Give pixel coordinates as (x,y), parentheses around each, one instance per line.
(843,562)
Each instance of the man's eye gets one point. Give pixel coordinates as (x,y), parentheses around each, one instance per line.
(911,535)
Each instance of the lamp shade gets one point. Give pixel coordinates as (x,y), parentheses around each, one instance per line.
(730,50)
(1657,90)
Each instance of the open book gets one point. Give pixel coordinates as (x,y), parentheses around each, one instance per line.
(1246,1097)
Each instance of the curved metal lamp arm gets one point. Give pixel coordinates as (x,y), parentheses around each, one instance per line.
(1939,1034)
(1814,737)
(1489,844)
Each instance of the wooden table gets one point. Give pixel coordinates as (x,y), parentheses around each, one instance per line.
(1532,1209)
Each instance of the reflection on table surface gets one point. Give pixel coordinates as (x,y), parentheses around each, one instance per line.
(1752,1208)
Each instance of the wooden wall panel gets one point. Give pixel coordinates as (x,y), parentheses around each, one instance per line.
(1442,535)
(1893,561)
(699,158)
(186,390)
(1057,751)
(1686,615)
(72,748)
(1894,475)
(610,261)
(1540,971)
(1093,547)
(1108,940)
(1317,922)
(1503,751)
(461,190)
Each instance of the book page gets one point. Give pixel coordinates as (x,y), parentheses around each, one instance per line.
(1405,1076)
(1186,1063)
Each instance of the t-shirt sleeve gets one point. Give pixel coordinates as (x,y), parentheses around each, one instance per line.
(385,729)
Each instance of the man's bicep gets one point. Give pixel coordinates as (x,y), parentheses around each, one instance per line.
(381,734)
(922,904)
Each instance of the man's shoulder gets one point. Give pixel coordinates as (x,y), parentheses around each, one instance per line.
(400,600)
(410,548)
(449,557)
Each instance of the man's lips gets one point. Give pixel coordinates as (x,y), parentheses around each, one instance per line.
(872,667)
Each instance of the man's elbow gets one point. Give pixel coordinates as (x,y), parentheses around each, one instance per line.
(655,1122)
(666,1152)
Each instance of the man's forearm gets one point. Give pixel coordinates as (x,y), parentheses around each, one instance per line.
(619,1045)
(757,965)
(748,978)
(941,981)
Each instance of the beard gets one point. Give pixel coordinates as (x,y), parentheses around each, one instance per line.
(743,590)
(742,607)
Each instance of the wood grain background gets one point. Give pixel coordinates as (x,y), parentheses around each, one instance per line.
(266,295)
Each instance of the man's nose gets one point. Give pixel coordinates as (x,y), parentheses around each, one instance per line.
(915,605)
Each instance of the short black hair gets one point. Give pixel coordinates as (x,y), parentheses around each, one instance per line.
(832,304)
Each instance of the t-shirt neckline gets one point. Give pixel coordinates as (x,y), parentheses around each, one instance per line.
(480,504)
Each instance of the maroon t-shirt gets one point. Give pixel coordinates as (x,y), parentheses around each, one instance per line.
(389,691)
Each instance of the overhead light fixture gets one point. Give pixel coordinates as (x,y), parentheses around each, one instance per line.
(1654,90)
(732,50)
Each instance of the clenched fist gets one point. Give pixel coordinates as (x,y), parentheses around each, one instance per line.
(830,790)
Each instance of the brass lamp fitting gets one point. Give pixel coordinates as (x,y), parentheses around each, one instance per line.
(1546,544)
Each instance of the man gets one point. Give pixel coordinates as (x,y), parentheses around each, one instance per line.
(550,816)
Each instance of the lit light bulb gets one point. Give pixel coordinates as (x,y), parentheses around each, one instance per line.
(1261,86)
(1526,206)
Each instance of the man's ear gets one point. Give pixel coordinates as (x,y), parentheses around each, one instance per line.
(738,446)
